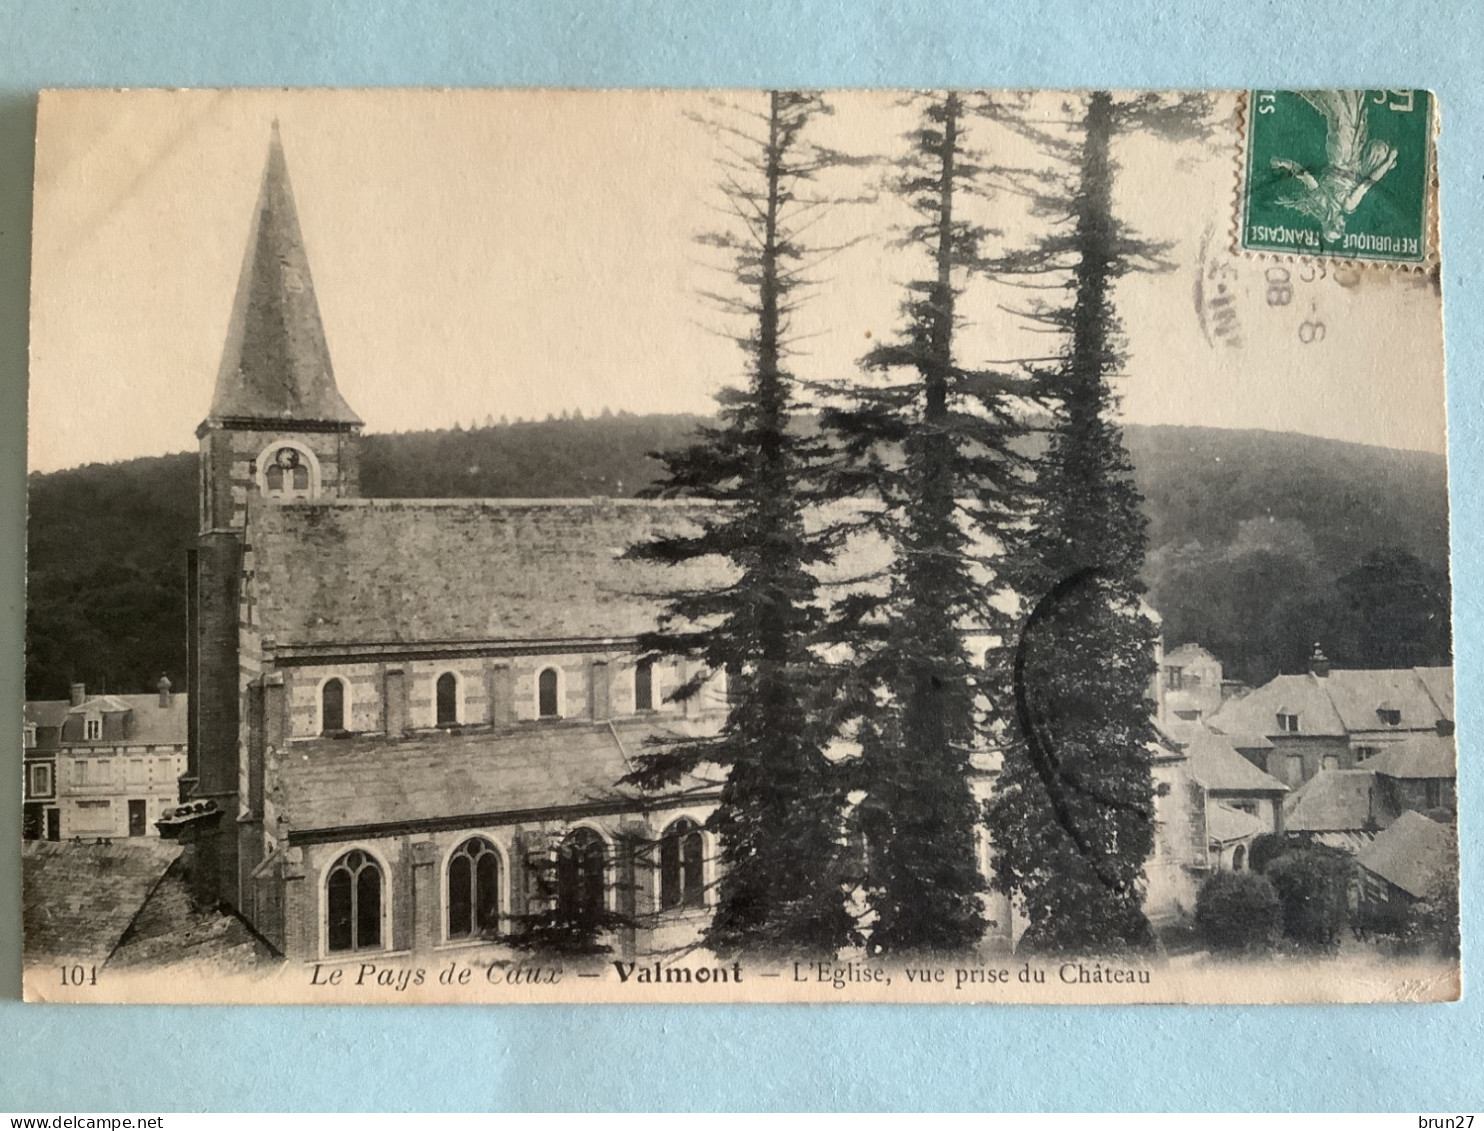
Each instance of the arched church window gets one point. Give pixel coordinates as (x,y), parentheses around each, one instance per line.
(473,890)
(682,881)
(287,473)
(332,706)
(580,879)
(353,895)
(447,695)
(644,686)
(1239,858)
(546,693)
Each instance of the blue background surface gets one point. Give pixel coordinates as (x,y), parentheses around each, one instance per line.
(80,1058)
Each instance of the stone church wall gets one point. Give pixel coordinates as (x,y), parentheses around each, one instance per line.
(415,871)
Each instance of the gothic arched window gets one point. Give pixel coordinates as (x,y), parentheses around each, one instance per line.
(447,695)
(580,877)
(353,895)
(546,693)
(682,872)
(644,686)
(473,890)
(1239,858)
(332,706)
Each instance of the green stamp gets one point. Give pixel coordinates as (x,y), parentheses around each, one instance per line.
(1338,173)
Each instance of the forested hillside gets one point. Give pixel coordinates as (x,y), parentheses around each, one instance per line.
(1261,543)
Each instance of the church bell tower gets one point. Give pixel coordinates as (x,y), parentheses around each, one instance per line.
(278,431)
(278,425)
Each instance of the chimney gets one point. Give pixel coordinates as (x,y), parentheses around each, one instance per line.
(1319,663)
(78,694)
(164,686)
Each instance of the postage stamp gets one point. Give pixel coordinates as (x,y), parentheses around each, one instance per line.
(634,546)
(1344,174)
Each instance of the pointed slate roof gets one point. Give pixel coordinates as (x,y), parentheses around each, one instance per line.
(276,364)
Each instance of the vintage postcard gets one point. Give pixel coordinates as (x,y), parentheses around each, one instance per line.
(630,546)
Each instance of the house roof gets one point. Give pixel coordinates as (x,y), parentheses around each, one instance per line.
(1177,733)
(1410,853)
(46,712)
(1352,841)
(78,899)
(1257,711)
(100,704)
(1419,756)
(1439,684)
(1341,703)
(349,783)
(1225,824)
(1216,765)
(276,364)
(1357,694)
(1330,801)
(149,722)
(1249,741)
(508,570)
(171,928)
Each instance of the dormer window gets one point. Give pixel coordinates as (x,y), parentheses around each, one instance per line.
(92,730)
(1288,723)
(1390,716)
(30,739)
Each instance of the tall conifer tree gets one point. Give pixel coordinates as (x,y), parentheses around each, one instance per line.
(780,816)
(1073,817)
(926,447)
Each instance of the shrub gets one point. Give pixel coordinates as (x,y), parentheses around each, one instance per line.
(1265,849)
(1238,911)
(1432,924)
(1313,884)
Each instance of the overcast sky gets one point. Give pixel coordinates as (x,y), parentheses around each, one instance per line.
(517,254)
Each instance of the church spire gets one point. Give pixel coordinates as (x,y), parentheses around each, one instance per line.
(276,365)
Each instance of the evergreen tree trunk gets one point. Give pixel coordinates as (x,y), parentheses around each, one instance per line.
(916,694)
(780,815)
(1072,818)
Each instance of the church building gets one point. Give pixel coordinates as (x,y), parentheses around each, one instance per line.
(409,719)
